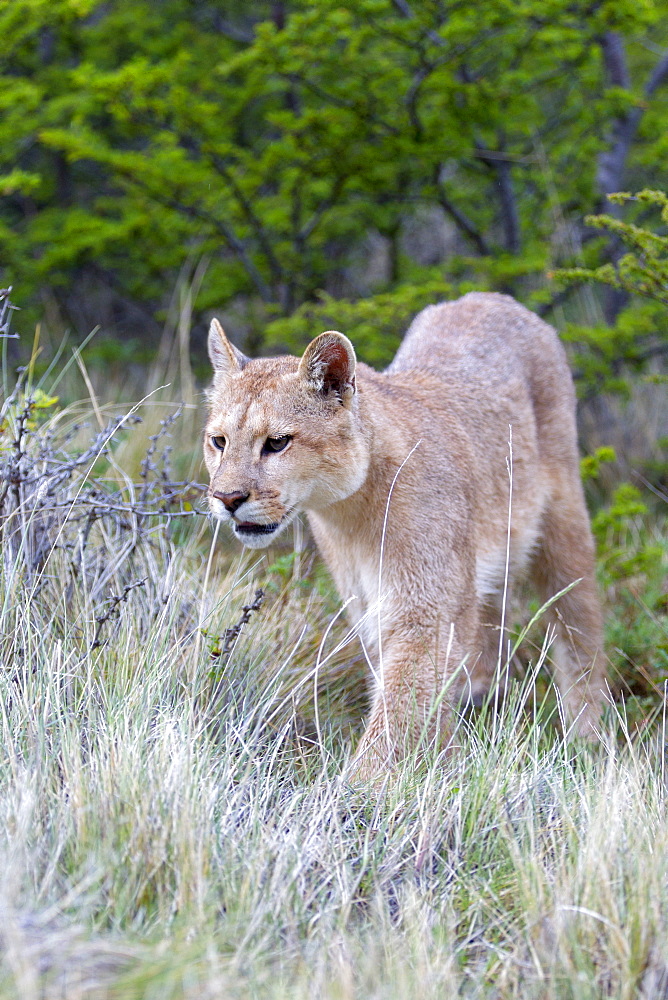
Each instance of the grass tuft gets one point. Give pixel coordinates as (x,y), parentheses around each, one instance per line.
(174,820)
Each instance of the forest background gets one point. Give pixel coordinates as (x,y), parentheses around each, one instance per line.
(275,158)
(292,167)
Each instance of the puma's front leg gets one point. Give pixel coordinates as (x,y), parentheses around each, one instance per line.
(411,704)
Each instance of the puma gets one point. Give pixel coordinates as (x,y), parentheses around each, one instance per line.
(406,478)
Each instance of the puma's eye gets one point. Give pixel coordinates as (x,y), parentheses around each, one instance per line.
(275,444)
(219,442)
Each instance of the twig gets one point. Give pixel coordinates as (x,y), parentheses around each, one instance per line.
(6,309)
(113,604)
(231,635)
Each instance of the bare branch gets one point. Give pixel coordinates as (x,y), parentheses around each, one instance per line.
(509,212)
(459,218)
(234,32)
(614,60)
(612,161)
(233,241)
(253,220)
(407,11)
(500,164)
(6,309)
(658,77)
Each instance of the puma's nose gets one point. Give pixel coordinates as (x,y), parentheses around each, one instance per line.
(232,501)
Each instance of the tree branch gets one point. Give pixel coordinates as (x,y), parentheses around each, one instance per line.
(233,241)
(614,60)
(274,264)
(500,164)
(459,218)
(612,161)
(232,31)
(509,213)
(407,11)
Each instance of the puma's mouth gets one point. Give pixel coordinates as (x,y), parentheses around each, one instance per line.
(258,536)
(248,528)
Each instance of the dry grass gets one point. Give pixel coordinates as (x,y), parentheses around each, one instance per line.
(174,824)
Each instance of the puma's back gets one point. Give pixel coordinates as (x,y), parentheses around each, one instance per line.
(487,346)
(429,488)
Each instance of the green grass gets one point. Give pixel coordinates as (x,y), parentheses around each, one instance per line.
(175,824)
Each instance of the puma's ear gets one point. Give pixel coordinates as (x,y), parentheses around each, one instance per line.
(329,365)
(225,357)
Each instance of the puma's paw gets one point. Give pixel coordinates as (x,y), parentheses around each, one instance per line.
(372,764)
(583,713)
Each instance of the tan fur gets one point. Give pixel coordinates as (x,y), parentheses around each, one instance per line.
(413,465)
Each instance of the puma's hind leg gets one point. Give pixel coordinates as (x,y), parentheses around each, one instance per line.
(486,674)
(565,555)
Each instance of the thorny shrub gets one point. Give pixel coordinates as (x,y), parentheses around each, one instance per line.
(71,522)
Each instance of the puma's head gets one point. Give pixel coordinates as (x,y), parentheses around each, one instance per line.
(282,434)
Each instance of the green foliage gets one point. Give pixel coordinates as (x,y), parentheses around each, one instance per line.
(137,138)
(23,413)
(632,561)
(590,465)
(610,526)
(603,356)
(606,354)
(375,324)
(644,269)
